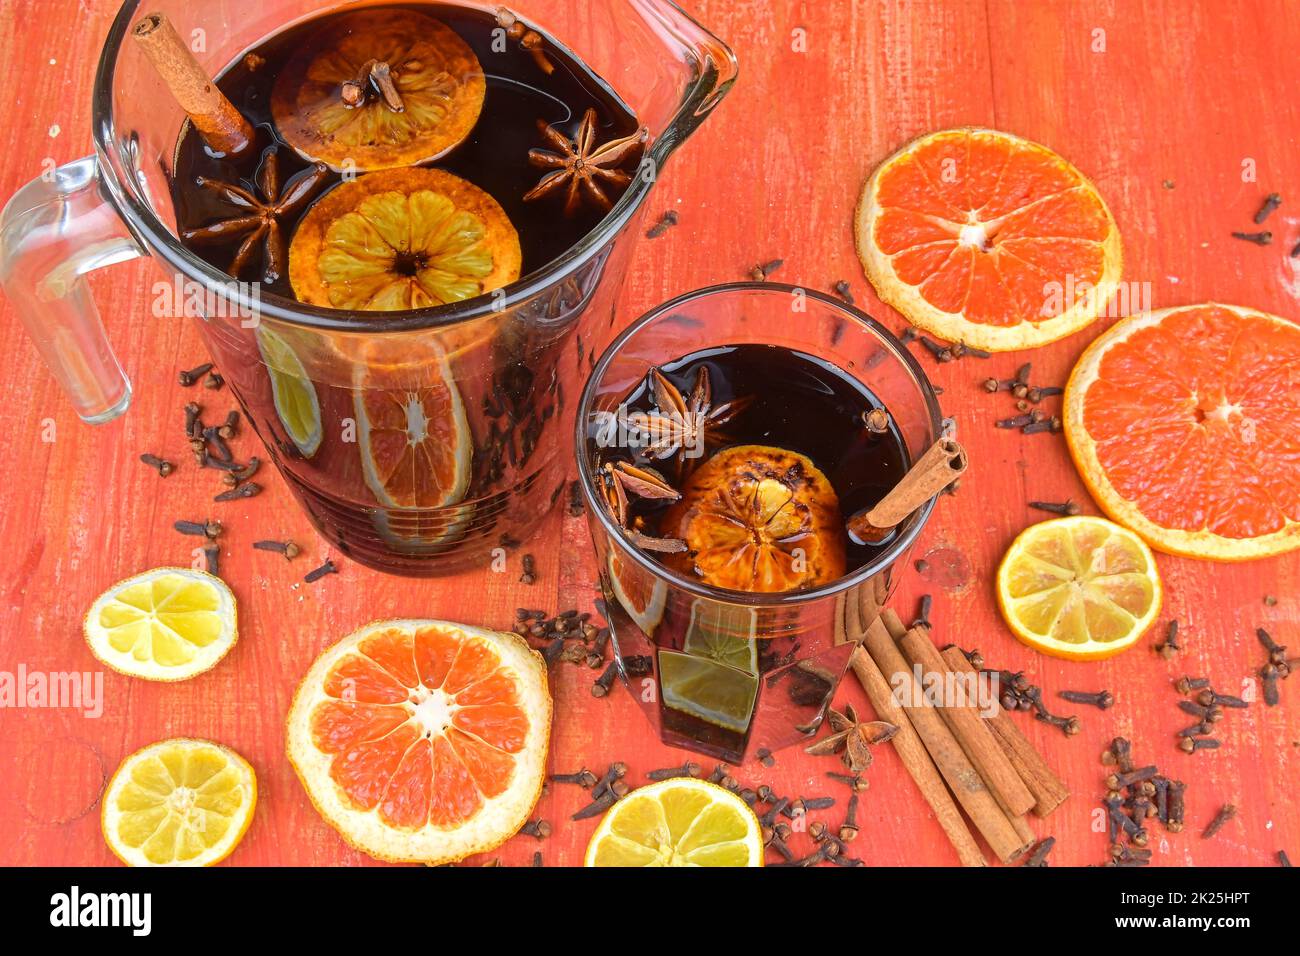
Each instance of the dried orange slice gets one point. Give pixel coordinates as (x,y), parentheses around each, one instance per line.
(639,593)
(423,741)
(403,239)
(380,89)
(985,238)
(1185,426)
(414,438)
(1081,588)
(758,519)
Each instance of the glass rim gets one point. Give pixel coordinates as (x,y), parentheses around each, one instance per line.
(697,100)
(726,596)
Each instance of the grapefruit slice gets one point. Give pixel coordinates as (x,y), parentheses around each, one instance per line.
(179,802)
(413,434)
(423,741)
(1185,426)
(641,594)
(985,238)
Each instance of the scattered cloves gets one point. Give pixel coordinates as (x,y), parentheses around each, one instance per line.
(327,568)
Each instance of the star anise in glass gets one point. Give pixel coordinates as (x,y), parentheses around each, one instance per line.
(259,220)
(683,428)
(580,168)
(852,738)
(619,480)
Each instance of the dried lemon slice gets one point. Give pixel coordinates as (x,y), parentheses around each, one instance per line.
(179,802)
(1081,588)
(294,394)
(679,822)
(758,519)
(379,90)
(403,239)
(168,624)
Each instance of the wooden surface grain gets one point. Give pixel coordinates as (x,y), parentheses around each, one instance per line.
(1163,104)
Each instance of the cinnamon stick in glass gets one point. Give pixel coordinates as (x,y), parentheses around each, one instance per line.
(970,728)
(940,466)
(1048,790)
(962,777)
(222,126)
(906,742)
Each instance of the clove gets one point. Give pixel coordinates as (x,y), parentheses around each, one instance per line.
(250,490)
(583,778)
(1223,816)
(160,465)
(327,568)
(286,548)
(1102,699)
(188,378)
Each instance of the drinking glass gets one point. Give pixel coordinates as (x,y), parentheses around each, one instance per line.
(300,373)
(718,703)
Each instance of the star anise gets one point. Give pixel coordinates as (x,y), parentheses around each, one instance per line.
(852,738)
(683,428)
(260,220)
(581,168)
(619,479)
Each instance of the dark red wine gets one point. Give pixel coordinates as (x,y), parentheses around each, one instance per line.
(801,404)
(494,157)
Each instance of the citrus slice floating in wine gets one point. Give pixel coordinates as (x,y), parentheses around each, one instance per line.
(985,238)
(758,519)
(423,741)
(168,624)
(1185,426)
(403,239)
(714,677)
(639,592)
(379,89)
(414,438)
(179,802)
(679,822)
(296,403)
(1081,588)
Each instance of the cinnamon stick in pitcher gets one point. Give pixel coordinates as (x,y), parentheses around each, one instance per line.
(1048,790)
(962,777)
(222,126)
(940,466)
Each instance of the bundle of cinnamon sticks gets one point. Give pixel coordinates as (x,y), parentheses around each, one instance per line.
(958,752)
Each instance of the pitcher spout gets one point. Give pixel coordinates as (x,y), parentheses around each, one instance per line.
(713,62)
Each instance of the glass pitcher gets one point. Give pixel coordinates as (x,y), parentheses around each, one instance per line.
(325,388)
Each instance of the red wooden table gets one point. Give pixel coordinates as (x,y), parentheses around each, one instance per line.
(1163,104)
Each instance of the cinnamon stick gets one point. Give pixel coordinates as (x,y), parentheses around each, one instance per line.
(1048,790)
(962,777)
(222,126)
(970,729)
(907,743)
(940,466)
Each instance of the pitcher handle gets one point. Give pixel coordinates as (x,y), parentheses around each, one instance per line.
(54,231)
